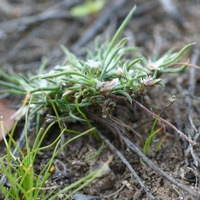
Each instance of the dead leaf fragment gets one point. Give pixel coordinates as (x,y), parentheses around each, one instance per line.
(6,122)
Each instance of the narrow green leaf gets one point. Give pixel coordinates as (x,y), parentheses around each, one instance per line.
(116,38)
(177,56)
(151,135)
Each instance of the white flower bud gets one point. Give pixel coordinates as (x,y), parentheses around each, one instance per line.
(109,85)
(93,64)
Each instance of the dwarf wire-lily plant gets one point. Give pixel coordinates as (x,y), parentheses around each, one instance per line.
(77,85)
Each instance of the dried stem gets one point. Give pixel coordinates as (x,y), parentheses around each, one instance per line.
(165,122)
(125,161)
(149,162)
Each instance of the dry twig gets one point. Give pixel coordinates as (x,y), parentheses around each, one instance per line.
(125,161)
(165,122)
(151,164)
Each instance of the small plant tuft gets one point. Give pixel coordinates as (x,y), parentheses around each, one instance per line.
(71,90)
(77,85)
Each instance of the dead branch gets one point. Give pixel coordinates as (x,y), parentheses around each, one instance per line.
(125,161)
(104,18)
(165,122)
(191,89)
(22,23)
(170,7)
(151,164)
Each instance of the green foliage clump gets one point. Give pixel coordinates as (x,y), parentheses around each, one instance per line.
(79,84)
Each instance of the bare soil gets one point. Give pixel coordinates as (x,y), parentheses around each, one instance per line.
(29,34)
